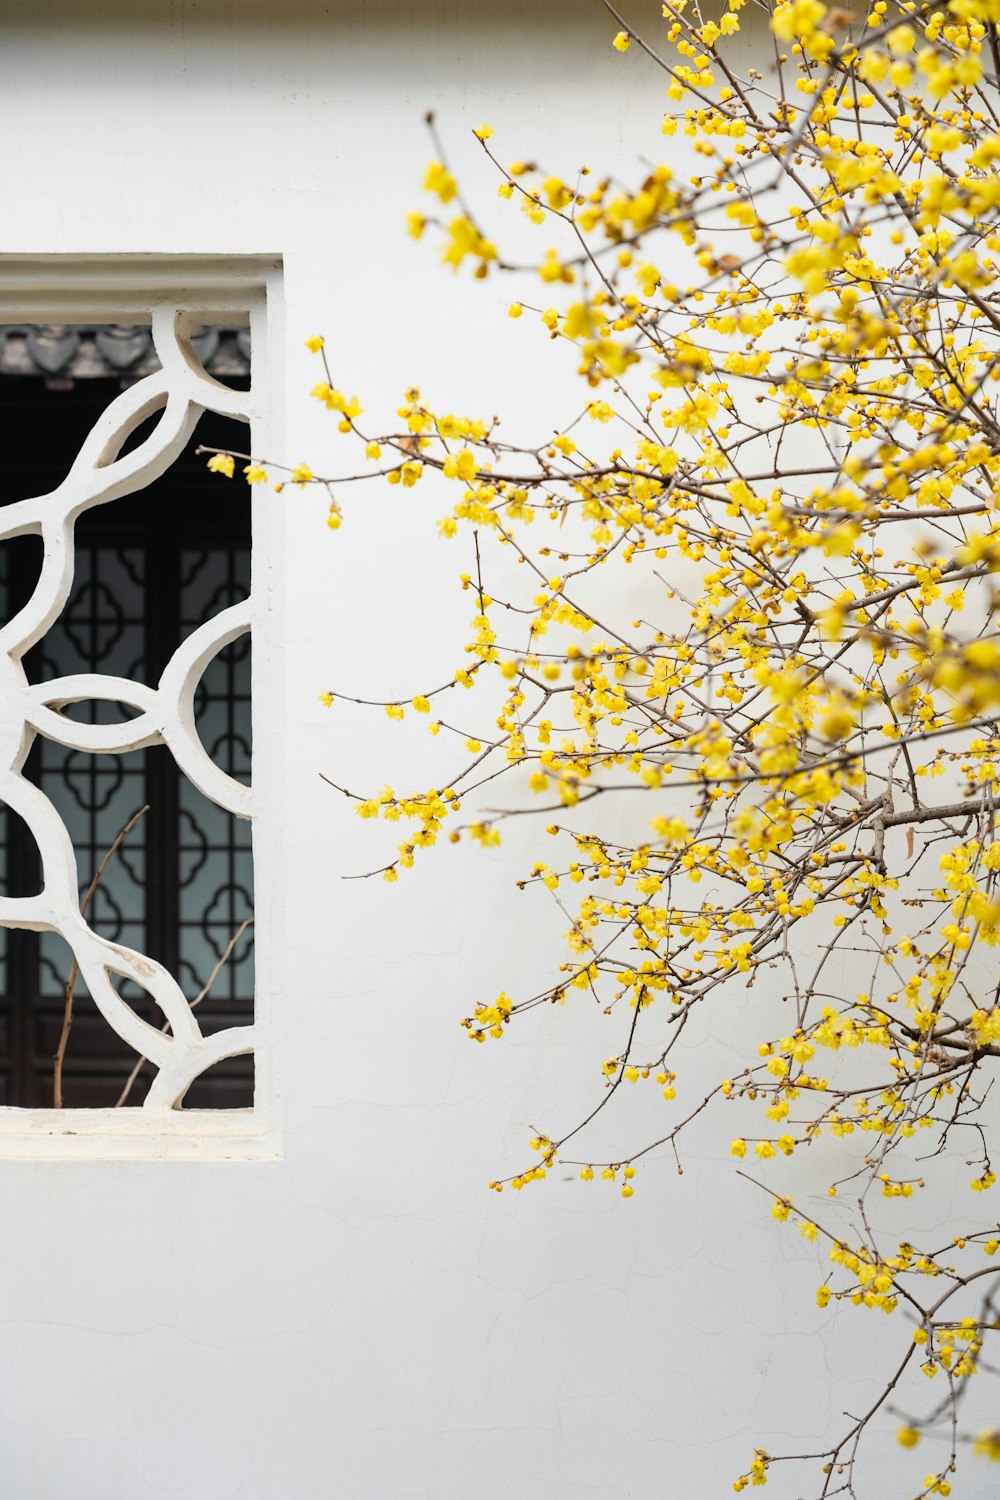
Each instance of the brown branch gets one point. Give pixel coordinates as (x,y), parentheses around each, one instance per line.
(67,1025)
(130,1081)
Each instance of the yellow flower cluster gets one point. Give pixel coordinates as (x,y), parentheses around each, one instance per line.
(752,582)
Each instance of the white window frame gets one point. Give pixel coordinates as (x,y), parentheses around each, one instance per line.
(139,289)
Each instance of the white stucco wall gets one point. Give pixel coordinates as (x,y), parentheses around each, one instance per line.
(363,1319)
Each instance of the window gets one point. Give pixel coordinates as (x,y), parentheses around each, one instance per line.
(128,613)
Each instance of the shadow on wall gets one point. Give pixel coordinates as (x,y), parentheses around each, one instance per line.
(392,18)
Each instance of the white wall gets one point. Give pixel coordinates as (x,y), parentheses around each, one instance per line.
(364,1318)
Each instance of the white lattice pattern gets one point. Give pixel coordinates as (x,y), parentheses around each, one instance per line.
(180,391)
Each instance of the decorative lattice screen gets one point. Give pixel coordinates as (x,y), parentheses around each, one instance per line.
(188,709)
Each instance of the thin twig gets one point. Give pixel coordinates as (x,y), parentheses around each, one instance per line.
(67,1025)
(123,1096)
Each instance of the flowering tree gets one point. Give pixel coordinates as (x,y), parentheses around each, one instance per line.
(786,462)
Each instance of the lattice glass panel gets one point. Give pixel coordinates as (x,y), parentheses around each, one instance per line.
(101,629)
(216,884)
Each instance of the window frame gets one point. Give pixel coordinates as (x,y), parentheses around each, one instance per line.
(235,289)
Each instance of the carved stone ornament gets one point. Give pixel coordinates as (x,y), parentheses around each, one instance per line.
(123,348)
(52,348)
(87,352)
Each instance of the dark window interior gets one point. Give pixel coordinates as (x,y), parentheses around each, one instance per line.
(149,569)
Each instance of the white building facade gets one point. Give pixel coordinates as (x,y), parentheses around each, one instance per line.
(319,1297)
